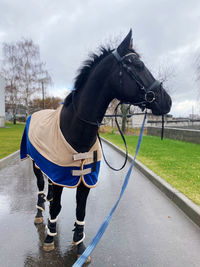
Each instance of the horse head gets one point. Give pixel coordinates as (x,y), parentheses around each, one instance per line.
(133,83)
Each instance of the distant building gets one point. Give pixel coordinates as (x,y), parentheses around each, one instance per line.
(2,102)
(194,116)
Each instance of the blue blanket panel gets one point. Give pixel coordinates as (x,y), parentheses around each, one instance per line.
(58,174)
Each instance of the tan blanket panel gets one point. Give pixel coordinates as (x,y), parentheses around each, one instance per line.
(46,136)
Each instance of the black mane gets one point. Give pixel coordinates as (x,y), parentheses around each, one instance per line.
(89,65)
(85,70)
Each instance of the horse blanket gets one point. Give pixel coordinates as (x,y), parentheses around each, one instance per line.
(45,144)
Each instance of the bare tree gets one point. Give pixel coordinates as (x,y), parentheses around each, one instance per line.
(124,110)
(32,70)
(10,72)
(23,71)
(166,73)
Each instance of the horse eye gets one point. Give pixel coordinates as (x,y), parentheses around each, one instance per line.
(134,57)
(129,61)
(139,64)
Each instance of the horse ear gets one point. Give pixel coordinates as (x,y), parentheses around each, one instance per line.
(125,45)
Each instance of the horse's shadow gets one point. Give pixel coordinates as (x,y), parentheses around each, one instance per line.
(54,258)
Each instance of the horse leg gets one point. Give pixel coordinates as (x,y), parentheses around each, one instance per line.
(79,235)
(55,207)
(50,191)
(41,196)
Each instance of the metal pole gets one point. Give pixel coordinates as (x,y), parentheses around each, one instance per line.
(43,95)
(192,114)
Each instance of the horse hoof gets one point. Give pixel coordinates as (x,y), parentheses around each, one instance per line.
(88,259)
(38,220)
(48,246)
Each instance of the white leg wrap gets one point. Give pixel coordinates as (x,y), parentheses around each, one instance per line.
(53,220)
(80,223)
(40,192)
(40,208)
(49,233)
(78,242)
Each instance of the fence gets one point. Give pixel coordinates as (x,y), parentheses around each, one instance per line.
(188,135)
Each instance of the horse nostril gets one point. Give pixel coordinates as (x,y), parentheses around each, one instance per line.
(170,102)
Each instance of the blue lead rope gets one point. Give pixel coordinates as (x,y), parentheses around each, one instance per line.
(105,223)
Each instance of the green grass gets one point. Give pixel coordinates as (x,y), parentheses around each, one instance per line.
(10,138)
(175,161)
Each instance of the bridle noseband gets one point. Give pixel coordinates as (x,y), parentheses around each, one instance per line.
(149,95)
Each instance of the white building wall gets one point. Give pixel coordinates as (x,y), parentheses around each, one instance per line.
(2,102)
(137,120)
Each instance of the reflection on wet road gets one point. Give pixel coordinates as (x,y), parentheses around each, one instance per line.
(146,229)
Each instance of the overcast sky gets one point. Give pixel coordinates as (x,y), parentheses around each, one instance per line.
(165,33)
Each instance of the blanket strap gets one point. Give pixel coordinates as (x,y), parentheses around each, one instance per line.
(81,156)
(81,172)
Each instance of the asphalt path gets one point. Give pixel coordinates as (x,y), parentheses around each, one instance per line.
(147,229)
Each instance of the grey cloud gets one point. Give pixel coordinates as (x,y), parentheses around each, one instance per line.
(67,30)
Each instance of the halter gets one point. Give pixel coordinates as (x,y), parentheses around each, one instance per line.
(149,95)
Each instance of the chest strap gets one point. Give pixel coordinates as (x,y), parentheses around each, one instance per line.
(81,172)
(81,156)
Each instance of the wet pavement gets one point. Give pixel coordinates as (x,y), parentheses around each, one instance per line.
(147,229)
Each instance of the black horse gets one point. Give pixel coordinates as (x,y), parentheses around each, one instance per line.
(112,74)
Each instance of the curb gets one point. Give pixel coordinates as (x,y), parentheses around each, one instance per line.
(186,205)
(7,160)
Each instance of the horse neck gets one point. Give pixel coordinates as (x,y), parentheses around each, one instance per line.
(89,104)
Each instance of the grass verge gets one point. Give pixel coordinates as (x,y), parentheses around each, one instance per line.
(175,161)
(10,138)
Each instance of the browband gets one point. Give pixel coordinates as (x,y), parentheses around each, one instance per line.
(118,57)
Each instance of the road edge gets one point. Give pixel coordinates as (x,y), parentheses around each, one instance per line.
(185,204)
(7,160)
